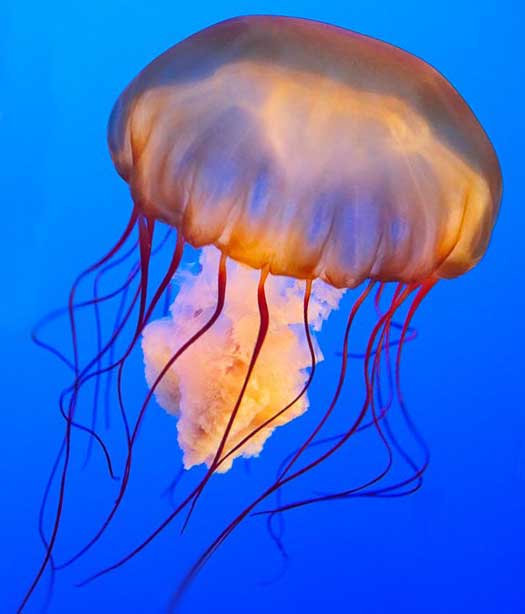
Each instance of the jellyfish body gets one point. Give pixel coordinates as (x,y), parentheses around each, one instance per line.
(305,159)
(307,149)
(310,149)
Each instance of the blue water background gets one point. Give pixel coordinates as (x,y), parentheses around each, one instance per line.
(455,546)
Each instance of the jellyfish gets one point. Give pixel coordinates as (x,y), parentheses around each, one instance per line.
(304,161)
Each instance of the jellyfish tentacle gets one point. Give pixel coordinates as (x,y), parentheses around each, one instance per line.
(71,301)
(86,373)
(70,422)
(369,401)
(398,299)
(41,520)
(146,229)
(143,318)
(82,381)
(136,268)
(264,322)
(375,385)
(263,327)
(74,424)
(377,298)
(344,361)
(189,498)
(57,313)
(99,343)
(221,293)
(388,490)
(393,490)
(98,328)
(277,535)
(269,421)
(276,485)
(313,364)
(326,440)
(201,561)
(109,375)
(417,471)
(88,303)
(169,491)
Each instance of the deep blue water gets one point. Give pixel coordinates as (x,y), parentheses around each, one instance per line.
(457,545)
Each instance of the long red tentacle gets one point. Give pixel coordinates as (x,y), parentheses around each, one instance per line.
(268,422)
(383,325)
(144,316)
(94,302)
(221,292)
(263,327)
(71,303)
(264,321)
(190,497)
(344,362)
(286,479)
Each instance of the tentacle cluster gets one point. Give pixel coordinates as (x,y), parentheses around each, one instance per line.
(380,365)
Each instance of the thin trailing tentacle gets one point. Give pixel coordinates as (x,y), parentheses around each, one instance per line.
(109,375)
(97,300)
(392,490)
(288,478)
(169,491)
(221,293)
(383,325)
(342,375)
(86,374)
(412,483)
(190,497)
(99,342)
(98,328)
(67,451)
(263,328)
(264,321)
(284,479)
(143,319)
(269,421)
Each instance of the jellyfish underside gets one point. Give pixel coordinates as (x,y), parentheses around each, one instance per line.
(306,161)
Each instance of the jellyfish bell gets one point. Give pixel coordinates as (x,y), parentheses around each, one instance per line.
(307,149)
(305,160)
(311,149)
